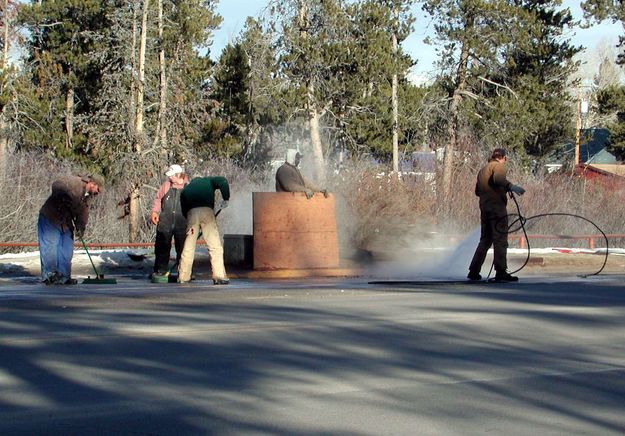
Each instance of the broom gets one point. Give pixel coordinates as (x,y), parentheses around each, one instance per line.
(99,278)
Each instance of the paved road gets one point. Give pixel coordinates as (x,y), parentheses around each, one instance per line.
(314,357)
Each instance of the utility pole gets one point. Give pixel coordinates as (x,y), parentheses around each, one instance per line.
(578,128)
(582,109)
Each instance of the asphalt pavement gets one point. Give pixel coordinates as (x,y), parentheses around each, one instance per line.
(542,356)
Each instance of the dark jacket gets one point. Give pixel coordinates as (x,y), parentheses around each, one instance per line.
(68,202)
(492,186)
(290,179)
(200,192)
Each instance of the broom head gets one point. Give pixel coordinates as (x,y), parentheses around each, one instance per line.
(99,280)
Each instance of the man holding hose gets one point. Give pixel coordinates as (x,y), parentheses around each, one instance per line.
(492,187)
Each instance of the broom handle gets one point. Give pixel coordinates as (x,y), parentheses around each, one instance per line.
(87,251)
(89,256)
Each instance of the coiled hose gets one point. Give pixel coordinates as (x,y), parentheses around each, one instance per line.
(519,222)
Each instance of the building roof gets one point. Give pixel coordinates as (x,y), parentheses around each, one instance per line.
(593,147)
(608,169)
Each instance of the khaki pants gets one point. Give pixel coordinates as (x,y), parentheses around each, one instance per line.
(202,218)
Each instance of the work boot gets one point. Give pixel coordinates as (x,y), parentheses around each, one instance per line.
(52,279)
(220,281)
(503,276)
(473,276)
(69,281)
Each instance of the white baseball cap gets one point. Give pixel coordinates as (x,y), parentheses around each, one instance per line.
(174,169)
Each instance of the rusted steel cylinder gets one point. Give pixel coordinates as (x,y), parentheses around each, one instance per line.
(293,232)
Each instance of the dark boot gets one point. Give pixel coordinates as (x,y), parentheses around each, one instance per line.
(474,276)
(503,276)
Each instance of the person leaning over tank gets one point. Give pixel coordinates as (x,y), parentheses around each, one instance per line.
(290,179)
(167,217)
(63,216)
(492,187)
(197,201)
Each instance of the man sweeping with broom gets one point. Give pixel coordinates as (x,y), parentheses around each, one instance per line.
(63,216)
(197,201)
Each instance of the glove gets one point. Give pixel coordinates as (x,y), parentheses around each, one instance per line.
(224,204)
(325,193)
(79,233)
(309,194)
(154,218)
(517,189)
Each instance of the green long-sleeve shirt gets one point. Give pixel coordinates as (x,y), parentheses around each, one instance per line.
(200,192)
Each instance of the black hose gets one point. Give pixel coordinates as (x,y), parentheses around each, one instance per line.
(521,221)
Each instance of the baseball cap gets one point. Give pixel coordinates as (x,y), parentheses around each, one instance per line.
(174,169)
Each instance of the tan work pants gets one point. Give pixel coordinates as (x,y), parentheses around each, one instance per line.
(202,218)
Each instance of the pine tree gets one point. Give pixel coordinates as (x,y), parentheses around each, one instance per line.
(60,43)
(497,55)
(611,101)
(614,10)
(533,114)
(231,91)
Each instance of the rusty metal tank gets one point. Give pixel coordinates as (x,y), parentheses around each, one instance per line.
(293,232)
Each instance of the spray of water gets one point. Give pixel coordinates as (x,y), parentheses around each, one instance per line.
(433,259)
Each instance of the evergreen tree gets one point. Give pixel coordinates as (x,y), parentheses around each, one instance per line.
(61,38)
(367,119)
(505,74)
(268,109)
(600,10)
(187,41)
(527,107)
(611,101)
(231,92)
(315,58)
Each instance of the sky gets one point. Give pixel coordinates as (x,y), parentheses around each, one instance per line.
(234,13)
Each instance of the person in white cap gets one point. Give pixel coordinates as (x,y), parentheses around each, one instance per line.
(168,219)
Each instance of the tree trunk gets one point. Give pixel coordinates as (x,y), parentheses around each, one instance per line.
(314,117)
(315,140)
(4,144)
(4,136)
(250,136)
(395,105)
(5,33)
(69,118)
(133,217)
(161,132)
(132,110)
(453,130)
(139,109)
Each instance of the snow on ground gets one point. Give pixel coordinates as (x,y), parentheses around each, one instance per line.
(28,264)
(140,261)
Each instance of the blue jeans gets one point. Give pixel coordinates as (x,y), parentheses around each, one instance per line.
(56,248)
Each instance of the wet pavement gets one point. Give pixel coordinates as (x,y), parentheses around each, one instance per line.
(316,356)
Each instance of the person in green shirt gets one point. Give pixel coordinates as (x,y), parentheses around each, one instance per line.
(197,201)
